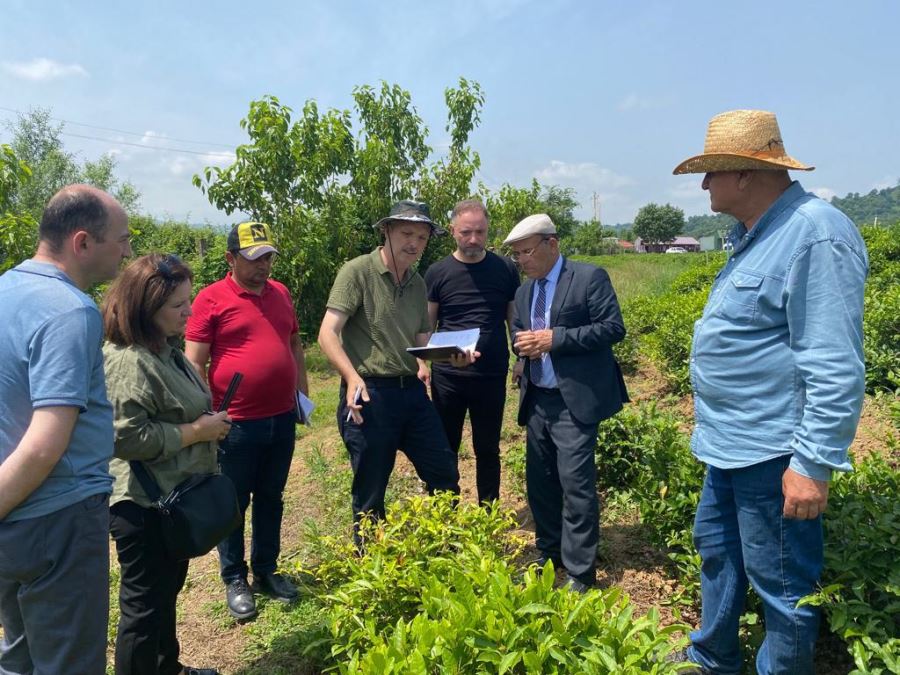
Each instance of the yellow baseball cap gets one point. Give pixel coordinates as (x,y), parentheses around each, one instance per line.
(251,240)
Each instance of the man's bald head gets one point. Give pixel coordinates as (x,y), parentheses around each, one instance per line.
(77,208)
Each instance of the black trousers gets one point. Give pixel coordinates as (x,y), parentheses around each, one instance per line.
(149,585)
(399,416)
(483,398)
(561,480)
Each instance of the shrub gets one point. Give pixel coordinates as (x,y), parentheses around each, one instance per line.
(644,456)
(700,277)
(861,580)
(483,621)
(436,591)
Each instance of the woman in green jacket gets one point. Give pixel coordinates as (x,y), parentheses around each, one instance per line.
(161,419)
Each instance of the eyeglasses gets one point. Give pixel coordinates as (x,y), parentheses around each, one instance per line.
(165,267)
(528,252)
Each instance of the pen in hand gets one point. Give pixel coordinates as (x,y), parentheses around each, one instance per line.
(356,396)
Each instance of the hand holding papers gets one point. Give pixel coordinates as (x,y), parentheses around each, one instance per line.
(303,408)
(454,346)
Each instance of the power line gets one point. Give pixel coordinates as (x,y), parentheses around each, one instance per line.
(122,131)
(141,145)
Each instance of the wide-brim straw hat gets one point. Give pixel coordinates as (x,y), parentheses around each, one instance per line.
(741,140)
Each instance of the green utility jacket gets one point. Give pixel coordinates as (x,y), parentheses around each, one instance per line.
(151,395)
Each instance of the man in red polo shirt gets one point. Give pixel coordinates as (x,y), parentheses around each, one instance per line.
(246,323)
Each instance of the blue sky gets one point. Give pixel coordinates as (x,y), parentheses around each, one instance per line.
(596,96)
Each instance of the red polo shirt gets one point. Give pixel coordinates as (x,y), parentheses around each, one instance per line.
(251,334)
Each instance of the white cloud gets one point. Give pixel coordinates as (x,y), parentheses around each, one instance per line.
(42,69)
(586,178)
(582,174)
(825,193)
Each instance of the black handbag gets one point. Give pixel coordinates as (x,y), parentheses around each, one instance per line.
(200,511)
(196,515)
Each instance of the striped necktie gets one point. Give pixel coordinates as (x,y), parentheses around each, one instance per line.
(538,323)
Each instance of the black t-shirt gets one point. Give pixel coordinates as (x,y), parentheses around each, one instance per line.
(475,295)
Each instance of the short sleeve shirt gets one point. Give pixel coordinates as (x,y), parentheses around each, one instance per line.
(50,347)
(383,317)
(475,295)
(250,334)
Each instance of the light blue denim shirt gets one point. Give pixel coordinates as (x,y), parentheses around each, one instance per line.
(777,360)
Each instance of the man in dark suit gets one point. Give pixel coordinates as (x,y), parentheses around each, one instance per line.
(565,322)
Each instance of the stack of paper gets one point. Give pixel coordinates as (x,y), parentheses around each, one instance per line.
(442,346)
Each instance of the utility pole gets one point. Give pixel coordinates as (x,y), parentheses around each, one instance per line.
(595,199)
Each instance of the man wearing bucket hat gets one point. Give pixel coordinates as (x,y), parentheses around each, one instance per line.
(246,323)
(377,308)
(778,377)
(566,319)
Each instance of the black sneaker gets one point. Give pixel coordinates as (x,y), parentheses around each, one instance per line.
(241,604)
(275,586)
(188,670)
(576,585)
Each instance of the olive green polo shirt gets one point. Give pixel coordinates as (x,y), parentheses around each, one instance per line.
(151,395)
(383,318)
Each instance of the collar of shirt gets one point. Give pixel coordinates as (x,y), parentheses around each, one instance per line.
(382,269)
(741,237)
(240,290)
(44,269)
(552,279)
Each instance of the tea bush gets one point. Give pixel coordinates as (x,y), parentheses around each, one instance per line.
(482,620)
(861,581)
(436,590)
(644,456)
(881,328)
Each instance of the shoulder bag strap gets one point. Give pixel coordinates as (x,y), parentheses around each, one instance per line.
(146,481)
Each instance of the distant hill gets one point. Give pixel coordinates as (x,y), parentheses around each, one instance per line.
(700,226)
(864,209)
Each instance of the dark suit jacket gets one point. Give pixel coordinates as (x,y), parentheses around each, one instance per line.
(586,322)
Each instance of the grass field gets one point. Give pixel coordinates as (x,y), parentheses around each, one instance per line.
(645,273)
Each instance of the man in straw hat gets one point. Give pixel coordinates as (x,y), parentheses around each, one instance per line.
(376,309)
(566,318)
(778,377)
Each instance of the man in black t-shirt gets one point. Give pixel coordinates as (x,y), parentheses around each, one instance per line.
(473,288)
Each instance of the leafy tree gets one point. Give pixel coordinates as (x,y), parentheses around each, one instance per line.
(701,226)
(654,223)
(321,185)
(36,141)
(591,238)
(18,231)
(511,204)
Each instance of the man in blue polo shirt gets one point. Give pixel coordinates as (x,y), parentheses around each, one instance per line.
(56,439)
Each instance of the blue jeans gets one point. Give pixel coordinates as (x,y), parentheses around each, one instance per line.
(256,455)
(742,536)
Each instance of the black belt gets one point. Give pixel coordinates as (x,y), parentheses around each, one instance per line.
(396,382)
(546,391)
